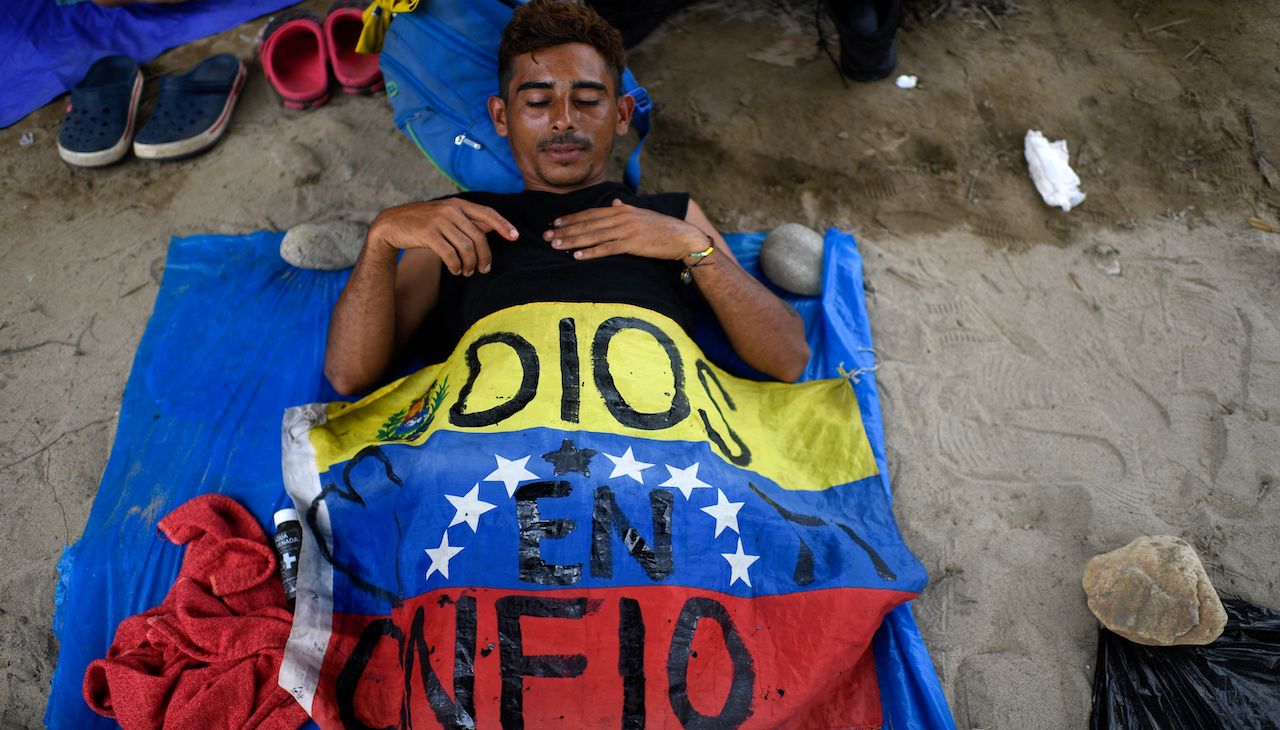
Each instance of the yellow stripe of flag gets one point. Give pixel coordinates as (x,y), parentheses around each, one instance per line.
(610,368)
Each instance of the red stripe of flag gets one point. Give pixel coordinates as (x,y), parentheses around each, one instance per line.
(649,656)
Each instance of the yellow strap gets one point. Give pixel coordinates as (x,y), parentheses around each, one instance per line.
(377,17)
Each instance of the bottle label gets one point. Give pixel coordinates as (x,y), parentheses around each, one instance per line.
(288,544)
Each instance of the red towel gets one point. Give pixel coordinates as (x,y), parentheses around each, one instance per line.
(208,656)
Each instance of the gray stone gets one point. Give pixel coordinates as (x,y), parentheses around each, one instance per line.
(791,257)
(326,246)
(1155,591)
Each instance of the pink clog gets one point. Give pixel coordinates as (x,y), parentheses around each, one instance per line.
(294,59)
(358,73)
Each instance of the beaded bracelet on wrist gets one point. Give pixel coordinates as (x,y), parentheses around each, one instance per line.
(698,257)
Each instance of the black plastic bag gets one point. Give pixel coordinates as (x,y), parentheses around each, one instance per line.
(1233,683)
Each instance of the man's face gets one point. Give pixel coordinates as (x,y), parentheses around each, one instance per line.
(561,116)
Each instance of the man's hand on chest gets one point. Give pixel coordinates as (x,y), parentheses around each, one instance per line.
(625,229)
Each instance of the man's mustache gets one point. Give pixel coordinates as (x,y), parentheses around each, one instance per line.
(567,138)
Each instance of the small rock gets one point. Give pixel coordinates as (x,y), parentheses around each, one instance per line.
(842,134)
(791,257)
(324,246)
(295,162)
(1106,258)
(1155,591)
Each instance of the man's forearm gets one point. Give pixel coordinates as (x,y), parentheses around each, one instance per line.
(362,330)
(766,332)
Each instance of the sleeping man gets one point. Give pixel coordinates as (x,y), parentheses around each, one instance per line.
(571,516)
(571,235)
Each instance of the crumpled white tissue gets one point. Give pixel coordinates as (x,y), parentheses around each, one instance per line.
(907,81)
(1057,183)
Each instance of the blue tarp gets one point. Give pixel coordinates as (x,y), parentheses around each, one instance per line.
(237,336)
(49,47)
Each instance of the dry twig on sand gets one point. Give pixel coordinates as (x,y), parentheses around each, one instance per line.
(990,15)
(1263,225)
(975,174)
(1164,26)
(937,8)
(1268,170)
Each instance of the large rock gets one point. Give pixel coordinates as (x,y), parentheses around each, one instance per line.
(791,256)
(1154,591)
(325,246)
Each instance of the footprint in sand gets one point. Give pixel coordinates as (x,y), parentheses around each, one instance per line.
(1038,453)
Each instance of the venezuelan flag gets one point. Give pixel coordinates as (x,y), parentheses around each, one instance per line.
(578,520)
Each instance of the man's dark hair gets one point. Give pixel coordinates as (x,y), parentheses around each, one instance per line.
(546,23)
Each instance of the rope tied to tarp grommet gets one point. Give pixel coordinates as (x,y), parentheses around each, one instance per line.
(853,375)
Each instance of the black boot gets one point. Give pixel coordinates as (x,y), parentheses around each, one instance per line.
(866,28)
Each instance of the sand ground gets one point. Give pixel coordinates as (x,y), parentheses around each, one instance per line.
(1055,384)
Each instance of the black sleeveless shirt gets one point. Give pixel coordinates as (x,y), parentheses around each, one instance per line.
(530,270)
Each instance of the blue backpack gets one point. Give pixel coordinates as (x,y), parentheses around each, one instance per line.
(440,63)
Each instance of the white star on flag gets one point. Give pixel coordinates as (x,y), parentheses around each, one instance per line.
(738,564)
(469,508)
(441,556)
(511,473)
(626,465)
(725,512)
(686,480)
